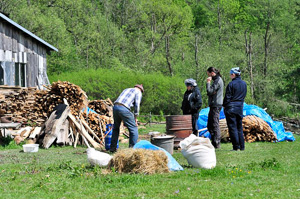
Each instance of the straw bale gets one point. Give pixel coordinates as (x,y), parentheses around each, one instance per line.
(140,161)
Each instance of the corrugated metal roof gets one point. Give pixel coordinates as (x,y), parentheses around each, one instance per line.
(27,32)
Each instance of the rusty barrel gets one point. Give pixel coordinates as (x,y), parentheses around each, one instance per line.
(180,126)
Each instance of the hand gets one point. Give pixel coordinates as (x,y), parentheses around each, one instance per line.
(136,122)
(208,80)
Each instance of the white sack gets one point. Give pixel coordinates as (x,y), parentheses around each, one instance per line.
(199,152)
(97,157)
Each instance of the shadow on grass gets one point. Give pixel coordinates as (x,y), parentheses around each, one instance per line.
(5,141)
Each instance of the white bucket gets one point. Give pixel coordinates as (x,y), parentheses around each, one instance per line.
(30,148)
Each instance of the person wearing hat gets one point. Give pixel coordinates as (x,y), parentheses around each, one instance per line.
(192,102)
(130,97)
(215,100)
(233,104)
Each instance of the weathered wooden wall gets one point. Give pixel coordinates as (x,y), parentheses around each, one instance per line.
(18,47)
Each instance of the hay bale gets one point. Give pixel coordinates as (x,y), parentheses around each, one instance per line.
(140,161)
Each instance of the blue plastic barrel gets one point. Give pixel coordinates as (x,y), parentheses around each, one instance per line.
(109,129)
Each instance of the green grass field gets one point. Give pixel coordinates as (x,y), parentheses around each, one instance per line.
(263,170)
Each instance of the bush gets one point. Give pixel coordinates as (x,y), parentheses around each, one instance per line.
(162,93)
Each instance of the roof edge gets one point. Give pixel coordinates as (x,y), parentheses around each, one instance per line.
(27,32)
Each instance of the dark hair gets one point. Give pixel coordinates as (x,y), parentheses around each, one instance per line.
(213,69)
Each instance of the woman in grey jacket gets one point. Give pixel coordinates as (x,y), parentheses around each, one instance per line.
(215,101)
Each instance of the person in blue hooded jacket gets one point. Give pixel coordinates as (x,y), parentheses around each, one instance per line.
(192,102)
(233,104)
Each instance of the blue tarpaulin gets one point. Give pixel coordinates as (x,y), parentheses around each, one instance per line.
(88,110)
(173,165)
(277,127)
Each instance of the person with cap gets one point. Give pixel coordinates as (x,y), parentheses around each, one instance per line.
(215,100)
(233,104)
(192,102)
(130,97)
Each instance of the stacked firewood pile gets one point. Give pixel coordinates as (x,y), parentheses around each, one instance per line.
(98,122)
(18,103)
(57,115)
(47,100)
(254,129)
(102,107)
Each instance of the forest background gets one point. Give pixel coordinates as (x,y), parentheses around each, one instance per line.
(106,46)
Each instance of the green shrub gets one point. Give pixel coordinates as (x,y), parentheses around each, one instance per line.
(162,93)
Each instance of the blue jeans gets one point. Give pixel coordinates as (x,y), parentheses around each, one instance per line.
(234,119)
(122,113)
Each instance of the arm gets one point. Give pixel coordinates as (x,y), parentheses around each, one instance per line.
(228,95)
(197,101)
(137,102)
(212,88)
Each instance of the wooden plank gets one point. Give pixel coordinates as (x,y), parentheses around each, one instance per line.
(27,133)
(1,36)
(15,35)
(26,43)
(29,45)
(28,70)
(62,137)
(21,47)
(35,132)
(10,125)
(90,130)
(8,55)
(54,128)
(76,139)
(34,47)
(25,57)
(15,57)
(2,54)
(8,37)
(84,132)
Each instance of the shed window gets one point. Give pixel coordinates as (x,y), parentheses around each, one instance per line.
(1,75)
(20,74)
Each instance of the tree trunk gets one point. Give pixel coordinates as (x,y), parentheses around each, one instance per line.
(248,47)
(153,28)
(219,24)
(266,41)
(196,55)
(168,55)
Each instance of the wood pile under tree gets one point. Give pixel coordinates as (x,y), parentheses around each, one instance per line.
(254,129)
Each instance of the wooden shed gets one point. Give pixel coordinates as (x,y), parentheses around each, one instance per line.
(22,56)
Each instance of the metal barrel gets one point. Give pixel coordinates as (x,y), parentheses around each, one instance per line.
(180,126)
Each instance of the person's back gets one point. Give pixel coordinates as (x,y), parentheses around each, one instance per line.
(235,93)
(121,112)
(233,108)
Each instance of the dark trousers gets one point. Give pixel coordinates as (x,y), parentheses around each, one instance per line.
(213,126)
(120,114)
(234,118)
(194,123)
